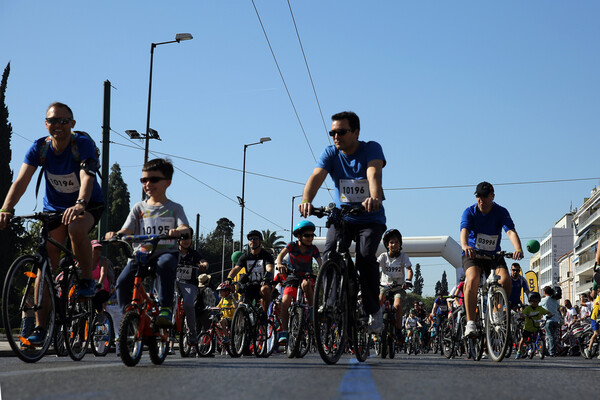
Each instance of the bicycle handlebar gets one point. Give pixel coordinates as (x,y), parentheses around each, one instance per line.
(332,209)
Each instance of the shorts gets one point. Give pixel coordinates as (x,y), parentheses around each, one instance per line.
(95,208)
(485,265)
(292,290)
(527,334)
(398,293)
(594,325)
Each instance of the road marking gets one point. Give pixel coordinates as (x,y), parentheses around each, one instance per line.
(358,383)
(57,369)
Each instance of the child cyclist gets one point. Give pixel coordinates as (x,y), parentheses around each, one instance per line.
(301,254)
(227,307)
(157,214)
(533,314)
(392,264)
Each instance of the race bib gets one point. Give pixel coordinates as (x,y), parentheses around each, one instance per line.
(486,242)
(184,272)
(354,190)
(64,183)
(159,226)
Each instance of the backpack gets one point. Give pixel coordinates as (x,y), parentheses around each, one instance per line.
(43,145)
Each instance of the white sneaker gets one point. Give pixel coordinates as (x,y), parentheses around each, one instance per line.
(471,329)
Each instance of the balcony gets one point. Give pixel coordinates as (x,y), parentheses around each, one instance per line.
(593,219)
(584,288)
(586,266)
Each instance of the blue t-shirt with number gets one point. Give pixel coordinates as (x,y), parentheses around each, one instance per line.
(61,172)
(485,230)
(349,175)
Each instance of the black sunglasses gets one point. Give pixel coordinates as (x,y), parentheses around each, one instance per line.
(339,132)
(516,270)
(253,238)
(62,121)
(152,179)
(308,235)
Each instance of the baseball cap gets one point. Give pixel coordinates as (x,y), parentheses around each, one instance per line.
(484,189)
(96,243)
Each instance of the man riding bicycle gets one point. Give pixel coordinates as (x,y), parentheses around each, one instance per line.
(356,168)
(518,282)
(480,231)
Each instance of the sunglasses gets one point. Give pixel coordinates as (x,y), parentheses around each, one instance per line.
(253,238)
(339,132)
(516,270)
(152,179)
(62,121)
(308,235)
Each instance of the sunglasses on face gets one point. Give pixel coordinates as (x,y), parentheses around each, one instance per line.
(253,238)
(152,179)
(308,235)
(339,132)
(61,121)
(516,270)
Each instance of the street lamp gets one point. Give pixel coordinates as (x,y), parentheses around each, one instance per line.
(178,38)
(292,225)
(241,199)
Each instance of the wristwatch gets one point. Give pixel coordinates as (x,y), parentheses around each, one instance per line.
(82,202)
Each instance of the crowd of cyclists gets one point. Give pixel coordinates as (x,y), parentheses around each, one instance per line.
(70,163)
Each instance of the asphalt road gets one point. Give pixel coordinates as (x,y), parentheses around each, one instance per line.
(407,377)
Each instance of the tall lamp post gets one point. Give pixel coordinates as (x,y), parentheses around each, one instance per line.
(242,199)
(292,225)
(178,38)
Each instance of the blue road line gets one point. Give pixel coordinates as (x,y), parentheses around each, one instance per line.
(358,383)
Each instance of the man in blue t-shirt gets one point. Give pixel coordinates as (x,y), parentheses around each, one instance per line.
(355,167)
(71,187)
(518,282)
(481,231)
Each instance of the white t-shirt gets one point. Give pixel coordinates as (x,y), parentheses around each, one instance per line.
(392,268)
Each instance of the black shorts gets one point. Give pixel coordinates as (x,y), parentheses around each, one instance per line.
(485,265)
(95,208)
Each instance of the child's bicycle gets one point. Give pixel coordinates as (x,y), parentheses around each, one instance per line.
(138,325)
(300,330)
(536,343)
(215,337)
(180,329)
(30,288)
(387,341)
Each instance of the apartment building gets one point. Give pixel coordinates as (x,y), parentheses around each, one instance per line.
(556,242)
(586,224)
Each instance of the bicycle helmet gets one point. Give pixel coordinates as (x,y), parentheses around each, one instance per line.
(224,286)
(303,226)
(389,234)
(236,256)
(254,233)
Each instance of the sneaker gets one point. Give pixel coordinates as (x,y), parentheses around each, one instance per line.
(587,353)
(87,288)
(471,329)
(518,355)
(164,318)
(226,340)
(38,336)
(283,337)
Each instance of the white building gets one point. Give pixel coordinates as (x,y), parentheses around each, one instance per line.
(556,243)
(586,222)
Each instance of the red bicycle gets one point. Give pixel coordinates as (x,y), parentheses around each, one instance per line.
(216,337)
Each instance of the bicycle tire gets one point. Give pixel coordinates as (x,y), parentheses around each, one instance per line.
(391,341)
(330,314)
(130,340)
(157,348)
(185,346)
(260,339)
(239,332)
(497,320)
(102,334)
(206,344)
(295,331)
(78,323)
(19,287)
(59,342)
(447,338)
(542,348)
(383,345)
(307,338)
(271,336)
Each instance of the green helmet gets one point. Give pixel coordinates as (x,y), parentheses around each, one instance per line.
(236,256)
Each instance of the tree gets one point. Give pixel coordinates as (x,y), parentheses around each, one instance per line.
(272,242)
(211,246)
(438,288)
(419,281)
(444,284)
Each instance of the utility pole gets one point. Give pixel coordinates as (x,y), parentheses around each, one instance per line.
(103,226)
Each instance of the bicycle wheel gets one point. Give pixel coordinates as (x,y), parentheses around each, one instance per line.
(330,315)
(206,344)
(447,330)
(541,347)
(307,338)
(295,331)
(497,320)
(239,332)
(271,337)
(78,324)
(60,347)
(383,345)
(185,346)
(102,334)
(391,340)
(260,339)
(19,305)
(130,339)
(157,348)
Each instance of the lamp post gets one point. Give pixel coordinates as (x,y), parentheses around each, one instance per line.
(292,224)
(178,38)
(242,199)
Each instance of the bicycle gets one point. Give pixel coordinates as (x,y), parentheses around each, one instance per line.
(138,324)
(452,331)
(30,288)
(299,327)
(492,315)
(536,344)
(214,337)
(273,326)
(102,334)
(387,341)
(413,342)
(338,309)
(250,327)
(180,329)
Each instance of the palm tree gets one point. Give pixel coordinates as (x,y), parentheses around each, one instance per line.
(272,241)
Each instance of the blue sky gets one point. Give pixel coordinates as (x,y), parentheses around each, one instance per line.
(456,93)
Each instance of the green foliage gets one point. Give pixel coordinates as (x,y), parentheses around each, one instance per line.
(216,245)
(418,281)
(272,241)
(444,284)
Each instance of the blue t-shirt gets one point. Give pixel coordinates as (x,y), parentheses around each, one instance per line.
(515,293)
(485,230)
(61,173)
(349,175)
